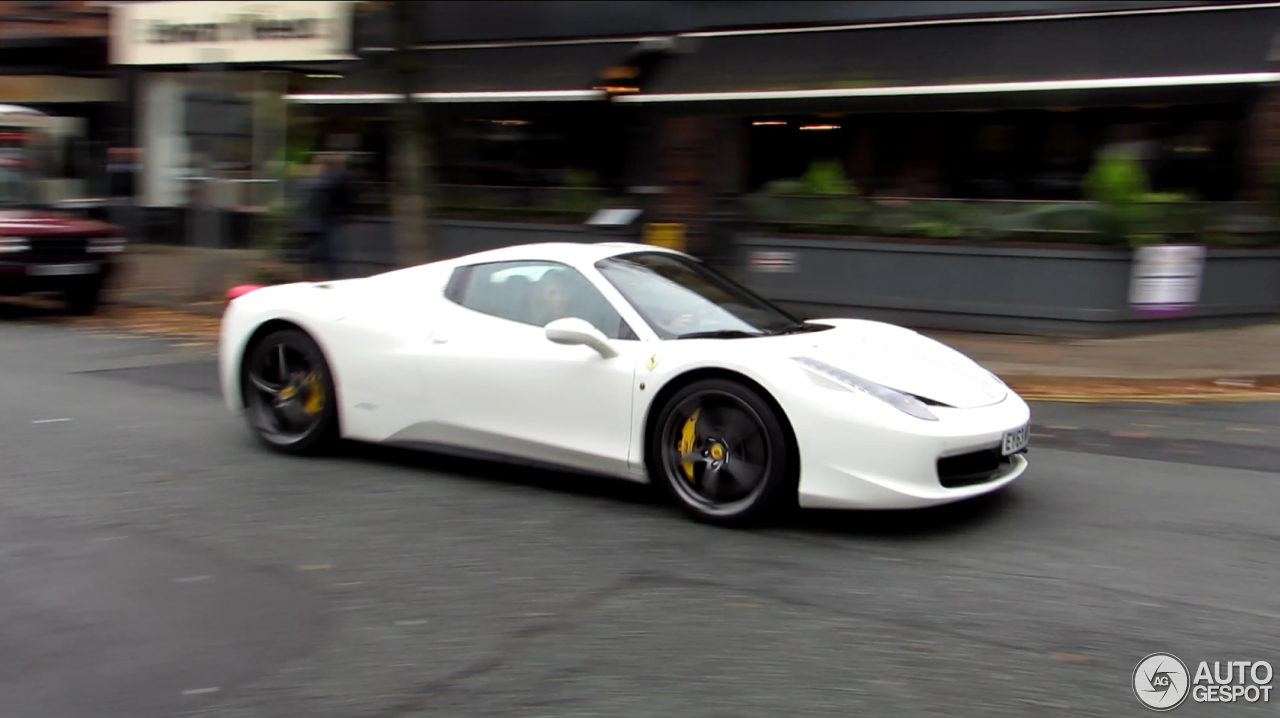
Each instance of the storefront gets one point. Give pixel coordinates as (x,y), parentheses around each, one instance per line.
(528,115)
(991,173)
(1016,108)
(53,58)
(210,116)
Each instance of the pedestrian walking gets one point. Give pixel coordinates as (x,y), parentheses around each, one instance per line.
(322,205)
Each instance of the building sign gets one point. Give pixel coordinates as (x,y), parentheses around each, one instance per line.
(1166,279)
(195,33)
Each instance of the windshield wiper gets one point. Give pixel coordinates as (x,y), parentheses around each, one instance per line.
(800,328)
(720,334)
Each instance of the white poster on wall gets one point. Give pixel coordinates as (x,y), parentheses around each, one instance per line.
(197,33)
(1166,279)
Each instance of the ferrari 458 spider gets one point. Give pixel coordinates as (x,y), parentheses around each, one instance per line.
(623,360)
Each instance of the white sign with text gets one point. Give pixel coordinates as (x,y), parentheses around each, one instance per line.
(1166,278)
(196,33)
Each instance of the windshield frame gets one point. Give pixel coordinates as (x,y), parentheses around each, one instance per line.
(741,295)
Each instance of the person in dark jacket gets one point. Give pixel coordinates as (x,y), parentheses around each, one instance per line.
(324,200)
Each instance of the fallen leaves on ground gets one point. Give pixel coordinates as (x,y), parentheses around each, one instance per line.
(170,323)
(166,322)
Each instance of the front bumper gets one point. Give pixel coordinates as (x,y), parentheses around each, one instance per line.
(855,456)
(32,275)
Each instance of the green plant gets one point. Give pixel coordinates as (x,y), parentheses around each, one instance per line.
(1132,213)
(826,177)
(1116,182)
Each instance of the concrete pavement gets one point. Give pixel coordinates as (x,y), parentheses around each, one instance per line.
(400,585)
(1244,352)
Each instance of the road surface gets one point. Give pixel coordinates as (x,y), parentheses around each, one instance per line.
(156,562)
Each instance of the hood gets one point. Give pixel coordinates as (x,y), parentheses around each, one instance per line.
(43,223)
(900,359)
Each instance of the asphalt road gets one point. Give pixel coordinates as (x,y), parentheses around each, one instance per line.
(155,562)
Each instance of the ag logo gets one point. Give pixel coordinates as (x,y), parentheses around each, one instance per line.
(1161,681)
(652,362)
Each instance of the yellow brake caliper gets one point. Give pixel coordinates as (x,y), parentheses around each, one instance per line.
(315,395)
(687,437)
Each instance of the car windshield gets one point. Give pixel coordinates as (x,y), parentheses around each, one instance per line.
(16,187)
(681,298)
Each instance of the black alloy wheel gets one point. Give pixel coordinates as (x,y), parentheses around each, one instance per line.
(723,453)
(289,396)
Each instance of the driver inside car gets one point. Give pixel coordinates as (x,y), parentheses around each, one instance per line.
(551,298)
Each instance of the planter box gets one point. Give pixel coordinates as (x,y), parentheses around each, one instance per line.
(454,237)
(1053,291)
(369,241)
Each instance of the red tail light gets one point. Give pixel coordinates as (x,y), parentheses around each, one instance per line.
(237,292)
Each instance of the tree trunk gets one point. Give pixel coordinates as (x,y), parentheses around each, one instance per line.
(408,149)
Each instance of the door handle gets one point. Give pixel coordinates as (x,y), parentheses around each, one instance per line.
(439,338)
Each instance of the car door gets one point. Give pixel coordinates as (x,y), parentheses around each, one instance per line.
(498,384)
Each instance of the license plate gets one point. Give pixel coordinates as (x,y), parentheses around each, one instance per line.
(1016,440)
(60,270)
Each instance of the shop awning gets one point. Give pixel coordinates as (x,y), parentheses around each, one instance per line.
(485,73)
(1075,56)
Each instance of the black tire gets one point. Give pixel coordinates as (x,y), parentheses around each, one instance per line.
(758,496)
(83,298)
(264,417)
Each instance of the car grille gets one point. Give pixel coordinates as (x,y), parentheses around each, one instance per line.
(59,247)
(973,468)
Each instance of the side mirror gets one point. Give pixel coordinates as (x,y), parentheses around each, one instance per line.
(578,331)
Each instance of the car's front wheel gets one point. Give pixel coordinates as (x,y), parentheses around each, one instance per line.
(289,394)
(721,450)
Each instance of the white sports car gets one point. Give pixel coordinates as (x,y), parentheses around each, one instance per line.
(625,360)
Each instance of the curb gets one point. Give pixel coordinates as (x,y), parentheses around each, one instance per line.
(1106,390)
(1232,398)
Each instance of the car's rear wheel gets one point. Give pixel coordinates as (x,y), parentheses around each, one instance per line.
(289,394)
(721,450)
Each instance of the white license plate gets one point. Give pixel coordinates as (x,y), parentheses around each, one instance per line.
(61,270)
(1016,440)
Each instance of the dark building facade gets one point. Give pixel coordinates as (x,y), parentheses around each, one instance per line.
(716,100)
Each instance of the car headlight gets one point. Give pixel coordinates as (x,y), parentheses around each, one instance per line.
(9,245)
(107,245)
(903,402)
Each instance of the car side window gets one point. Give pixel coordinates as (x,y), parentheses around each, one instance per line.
(535,293)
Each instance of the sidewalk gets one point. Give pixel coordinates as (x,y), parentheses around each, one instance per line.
(1248,352)
(1221,364)
(1224,364)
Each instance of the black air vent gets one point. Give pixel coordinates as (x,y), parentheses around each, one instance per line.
(977,467)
